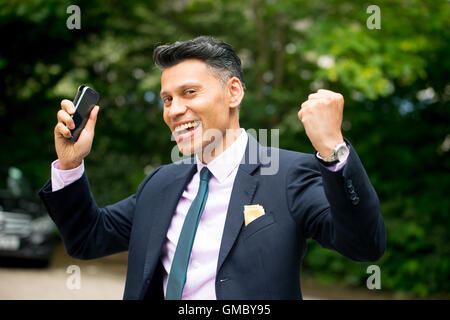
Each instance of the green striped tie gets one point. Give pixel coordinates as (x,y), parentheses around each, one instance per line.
(178,271)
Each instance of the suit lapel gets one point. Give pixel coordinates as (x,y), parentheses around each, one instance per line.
(244,187)
(164,209)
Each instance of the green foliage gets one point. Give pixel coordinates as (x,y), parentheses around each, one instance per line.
(394,80)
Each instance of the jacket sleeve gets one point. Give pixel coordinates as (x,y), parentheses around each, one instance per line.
(338,209)
(87,231)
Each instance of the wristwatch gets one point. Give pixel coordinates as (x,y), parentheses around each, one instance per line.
(340,152)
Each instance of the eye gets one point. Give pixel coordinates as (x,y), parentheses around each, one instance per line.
(189,91)
(167,99)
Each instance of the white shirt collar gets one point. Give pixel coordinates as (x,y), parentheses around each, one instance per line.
(222,166)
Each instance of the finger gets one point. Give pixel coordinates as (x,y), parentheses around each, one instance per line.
(316,101)
(331,95)
(300,115)
(309,104)
(65,118)
(326,92)
(313,102)
(339,97)
(305,109)
(68,106)
(305,104)
(317,96)
(90,125)
(61,129)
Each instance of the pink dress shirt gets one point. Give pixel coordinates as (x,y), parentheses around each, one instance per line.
(201,274)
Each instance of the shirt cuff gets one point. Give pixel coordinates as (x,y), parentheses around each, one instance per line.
(62,178)
(335,165)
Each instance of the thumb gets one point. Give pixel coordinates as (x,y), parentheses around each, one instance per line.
(90,124)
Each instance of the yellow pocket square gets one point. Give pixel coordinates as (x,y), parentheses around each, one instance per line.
(252,212)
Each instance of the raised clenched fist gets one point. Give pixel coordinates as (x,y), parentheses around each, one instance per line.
(321,116)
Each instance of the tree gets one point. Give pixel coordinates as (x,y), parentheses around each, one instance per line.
(394,80)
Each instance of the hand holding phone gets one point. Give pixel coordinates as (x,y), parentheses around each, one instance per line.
(74,132)
(85,99)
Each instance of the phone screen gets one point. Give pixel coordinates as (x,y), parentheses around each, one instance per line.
(84,103)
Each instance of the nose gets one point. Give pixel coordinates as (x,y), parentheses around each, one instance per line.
(176,108)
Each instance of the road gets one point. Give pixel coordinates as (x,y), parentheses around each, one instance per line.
(100,279)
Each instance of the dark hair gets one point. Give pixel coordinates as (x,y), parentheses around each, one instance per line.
(218,55)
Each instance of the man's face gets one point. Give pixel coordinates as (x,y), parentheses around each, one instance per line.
(194,102)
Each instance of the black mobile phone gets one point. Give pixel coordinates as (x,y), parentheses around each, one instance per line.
(85,100)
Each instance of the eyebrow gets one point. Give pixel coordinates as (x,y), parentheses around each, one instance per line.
(182,87)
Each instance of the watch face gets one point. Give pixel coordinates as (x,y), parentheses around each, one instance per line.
(342,153)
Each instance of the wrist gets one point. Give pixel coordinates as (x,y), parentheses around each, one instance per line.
(69,165)
(327,149)
(340,154)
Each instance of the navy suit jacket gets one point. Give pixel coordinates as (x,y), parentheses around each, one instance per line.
(259,261)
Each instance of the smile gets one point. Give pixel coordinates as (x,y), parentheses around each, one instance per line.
(186,130)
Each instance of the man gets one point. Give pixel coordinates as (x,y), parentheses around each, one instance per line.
(219,228)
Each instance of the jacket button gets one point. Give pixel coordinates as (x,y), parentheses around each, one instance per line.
(355,201)
(349,183)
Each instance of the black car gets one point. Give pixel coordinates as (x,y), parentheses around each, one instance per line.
(27,233)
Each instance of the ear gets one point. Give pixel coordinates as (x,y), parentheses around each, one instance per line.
(235,92)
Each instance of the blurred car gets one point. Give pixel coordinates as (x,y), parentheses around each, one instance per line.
(27,233)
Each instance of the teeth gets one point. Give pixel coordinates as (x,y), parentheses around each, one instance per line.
(186,125)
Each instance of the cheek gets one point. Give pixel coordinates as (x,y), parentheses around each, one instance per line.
(166,118)
(216,114)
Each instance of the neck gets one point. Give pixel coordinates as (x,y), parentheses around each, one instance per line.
(216,148)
